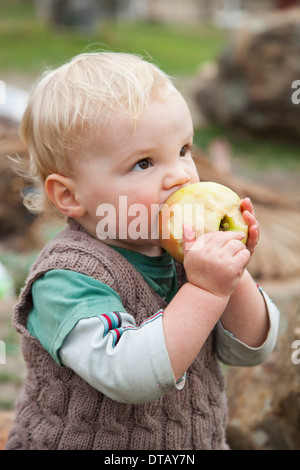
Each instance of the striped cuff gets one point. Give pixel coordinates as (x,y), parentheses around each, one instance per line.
(112,322)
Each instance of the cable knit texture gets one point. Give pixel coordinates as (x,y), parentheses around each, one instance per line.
(59,410)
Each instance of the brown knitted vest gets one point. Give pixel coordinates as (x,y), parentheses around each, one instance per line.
(59,410)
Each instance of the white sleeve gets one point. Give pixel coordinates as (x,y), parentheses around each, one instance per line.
(234,352)
(127,363)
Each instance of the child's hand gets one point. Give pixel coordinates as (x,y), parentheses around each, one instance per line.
(249,217)
(215,261)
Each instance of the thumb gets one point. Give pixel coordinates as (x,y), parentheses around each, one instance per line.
(188,238)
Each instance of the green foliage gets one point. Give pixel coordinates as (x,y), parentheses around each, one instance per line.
(29,44)
(255,153)
(176,49)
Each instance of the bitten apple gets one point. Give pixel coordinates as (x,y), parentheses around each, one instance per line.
(206,206)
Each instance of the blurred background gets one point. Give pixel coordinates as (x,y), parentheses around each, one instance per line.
(237,63)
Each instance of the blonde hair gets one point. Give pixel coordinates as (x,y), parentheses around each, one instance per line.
(69,104)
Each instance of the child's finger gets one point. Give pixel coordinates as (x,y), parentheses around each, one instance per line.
(246,205)
(189,238)
(253,238)
(234,246)
(241,259)
(222,238)
(249,217)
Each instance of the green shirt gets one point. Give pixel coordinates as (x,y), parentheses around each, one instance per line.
(158,271)
(61,297)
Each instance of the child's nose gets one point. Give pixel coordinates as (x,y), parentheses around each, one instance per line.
(176,176)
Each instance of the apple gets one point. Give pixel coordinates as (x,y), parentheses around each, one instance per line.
(206,206)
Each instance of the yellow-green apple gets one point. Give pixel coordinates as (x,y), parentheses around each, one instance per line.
(206,206)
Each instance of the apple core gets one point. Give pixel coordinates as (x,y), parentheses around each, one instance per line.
(206,206)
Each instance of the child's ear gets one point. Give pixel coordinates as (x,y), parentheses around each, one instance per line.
(61,191)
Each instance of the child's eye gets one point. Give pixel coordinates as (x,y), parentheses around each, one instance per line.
(142,165)
(185,150)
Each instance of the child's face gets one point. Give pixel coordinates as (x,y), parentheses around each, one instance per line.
(141,166)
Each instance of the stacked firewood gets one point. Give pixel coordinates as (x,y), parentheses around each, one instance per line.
(254,85)
(15,219)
